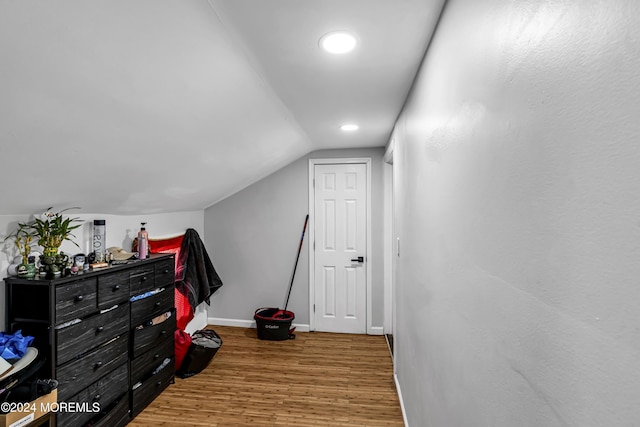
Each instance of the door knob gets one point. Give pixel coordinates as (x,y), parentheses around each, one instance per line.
(359,259)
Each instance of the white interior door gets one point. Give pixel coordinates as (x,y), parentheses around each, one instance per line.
(340,255)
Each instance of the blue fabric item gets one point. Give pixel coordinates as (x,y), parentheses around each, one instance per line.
(145,295)
(14,346)
(141,296)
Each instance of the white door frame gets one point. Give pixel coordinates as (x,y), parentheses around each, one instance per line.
(387,173)
(389,246)
(312,238)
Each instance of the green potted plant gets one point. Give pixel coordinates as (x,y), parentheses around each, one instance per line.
(23,238)
(51,229)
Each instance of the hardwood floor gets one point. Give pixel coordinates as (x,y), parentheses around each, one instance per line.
(318,379)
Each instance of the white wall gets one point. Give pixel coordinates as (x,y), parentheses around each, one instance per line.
(120,231)
(253,239)
(517,204)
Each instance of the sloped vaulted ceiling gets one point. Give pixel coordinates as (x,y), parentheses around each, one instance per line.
(148,106)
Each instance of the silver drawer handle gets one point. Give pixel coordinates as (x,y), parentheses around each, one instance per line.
(97,365)
(79,298)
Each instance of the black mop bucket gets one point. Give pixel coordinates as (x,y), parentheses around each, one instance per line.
(274,324)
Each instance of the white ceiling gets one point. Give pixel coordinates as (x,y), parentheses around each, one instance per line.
(146,106)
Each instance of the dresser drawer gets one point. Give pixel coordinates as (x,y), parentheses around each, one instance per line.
(91,332)
(145,364)
(151,388)
(113,289)
(78,374)
(145,308)
(76,299)
(141,280)
(153,336)
(103,392)
(117,414)
(164,272)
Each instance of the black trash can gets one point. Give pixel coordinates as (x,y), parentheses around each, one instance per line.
(274,324)
(205,343)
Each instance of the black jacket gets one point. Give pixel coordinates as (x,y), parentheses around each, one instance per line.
(199,279)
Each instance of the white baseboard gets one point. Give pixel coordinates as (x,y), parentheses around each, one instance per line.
(241,323)
(404,413)
(376,330)
(238,323)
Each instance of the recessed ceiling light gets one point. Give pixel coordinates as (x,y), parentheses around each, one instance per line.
(338,42)
(349,127)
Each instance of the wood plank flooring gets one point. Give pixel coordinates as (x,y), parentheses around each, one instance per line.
(318,379)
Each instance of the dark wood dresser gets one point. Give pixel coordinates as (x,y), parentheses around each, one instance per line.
(111,350)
